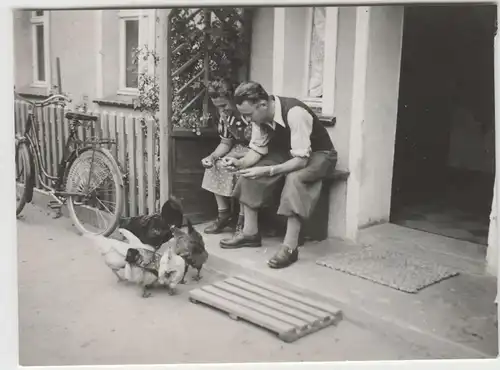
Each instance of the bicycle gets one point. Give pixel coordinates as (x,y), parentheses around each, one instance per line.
(84,167)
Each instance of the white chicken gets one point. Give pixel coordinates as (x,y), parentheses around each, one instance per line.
(172,269)
(115,251)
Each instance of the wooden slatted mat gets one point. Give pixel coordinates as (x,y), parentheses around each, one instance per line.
(289,315)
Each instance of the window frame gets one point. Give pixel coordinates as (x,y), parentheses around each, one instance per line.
(36,21)
(126,15)
(311,101)
(146,37)
(326,104)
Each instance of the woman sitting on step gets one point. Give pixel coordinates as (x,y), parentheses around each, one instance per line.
(235,134)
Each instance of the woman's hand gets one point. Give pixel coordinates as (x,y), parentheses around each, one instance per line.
(254,172)
(208,161)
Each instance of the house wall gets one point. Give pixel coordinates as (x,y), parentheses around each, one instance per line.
(341,131)
(295,34)
(72,35)
(382,86)
(79,42)
(110,51)
(23,71)
(295,50)
(261,59)
(379,124)
(343,79)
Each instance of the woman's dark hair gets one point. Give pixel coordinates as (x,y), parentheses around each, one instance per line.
(250,91)
(221,88)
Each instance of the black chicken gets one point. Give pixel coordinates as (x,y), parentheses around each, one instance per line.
(154,230)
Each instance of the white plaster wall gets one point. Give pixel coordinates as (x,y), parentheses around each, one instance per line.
(261,62)
(23,70)
(340,132)
(379,124)
(72,34)
(295,44)
(110,51)
(295,50)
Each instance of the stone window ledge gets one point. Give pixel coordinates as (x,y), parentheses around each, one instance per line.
(122,101)
(29,91)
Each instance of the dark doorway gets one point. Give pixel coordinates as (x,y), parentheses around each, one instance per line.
(444,153)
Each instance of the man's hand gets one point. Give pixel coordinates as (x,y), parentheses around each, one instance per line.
(254,172)
(229,163)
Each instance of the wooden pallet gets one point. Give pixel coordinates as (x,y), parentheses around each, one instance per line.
(289,315)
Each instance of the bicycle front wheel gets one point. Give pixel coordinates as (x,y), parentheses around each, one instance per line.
(23,173)
(96,176)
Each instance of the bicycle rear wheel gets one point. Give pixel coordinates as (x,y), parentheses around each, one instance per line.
(96,175)
(23,172)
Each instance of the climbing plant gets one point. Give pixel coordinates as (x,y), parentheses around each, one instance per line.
(213,46)
(205,44)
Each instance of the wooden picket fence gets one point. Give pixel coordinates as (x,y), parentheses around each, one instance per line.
(136,149)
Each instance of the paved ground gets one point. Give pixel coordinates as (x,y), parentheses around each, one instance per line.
(73,312)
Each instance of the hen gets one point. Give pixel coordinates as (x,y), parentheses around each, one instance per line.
(142,268)
(146,267)
(113,251)
(171,269)
(154,230)
(191,247)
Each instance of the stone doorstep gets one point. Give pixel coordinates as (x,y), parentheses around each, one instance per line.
(252,263)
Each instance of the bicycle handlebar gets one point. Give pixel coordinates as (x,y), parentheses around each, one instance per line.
(56,98)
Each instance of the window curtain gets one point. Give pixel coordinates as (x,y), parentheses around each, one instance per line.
(317,52)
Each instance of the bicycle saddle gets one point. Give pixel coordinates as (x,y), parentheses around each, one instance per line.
(80,116)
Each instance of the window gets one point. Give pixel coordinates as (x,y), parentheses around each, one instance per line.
(131,44)
(315,54)
(134,33)
(315,83)
(321,46)
(39,34)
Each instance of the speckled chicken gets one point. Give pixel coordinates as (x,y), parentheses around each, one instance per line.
(113,251)
(191,247)
(154,230)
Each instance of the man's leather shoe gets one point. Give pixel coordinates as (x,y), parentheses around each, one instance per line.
(239,240)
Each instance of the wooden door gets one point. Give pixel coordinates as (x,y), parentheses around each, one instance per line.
(205,43)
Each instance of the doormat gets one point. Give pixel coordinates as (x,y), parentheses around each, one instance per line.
(288,315)
(393,269)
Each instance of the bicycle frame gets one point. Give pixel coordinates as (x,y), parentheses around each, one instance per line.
(72,148)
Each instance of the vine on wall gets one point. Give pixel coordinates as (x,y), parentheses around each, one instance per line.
(218,42)
(221,42)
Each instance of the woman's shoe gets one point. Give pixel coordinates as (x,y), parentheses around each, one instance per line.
(218,225)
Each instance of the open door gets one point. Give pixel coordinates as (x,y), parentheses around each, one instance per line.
(444,163)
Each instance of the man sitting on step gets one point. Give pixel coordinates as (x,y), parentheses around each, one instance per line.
(290,148)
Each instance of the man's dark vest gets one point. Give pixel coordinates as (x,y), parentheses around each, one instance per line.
(320,139)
